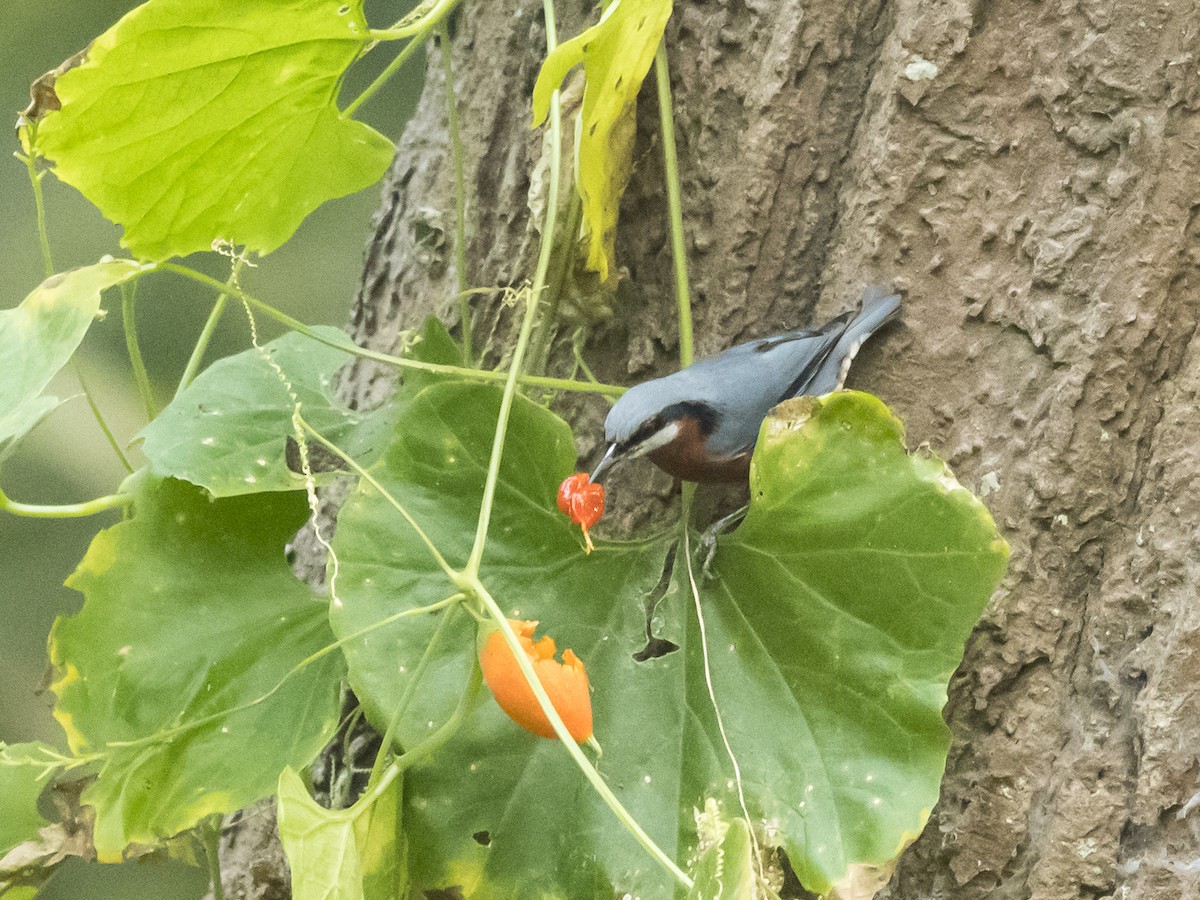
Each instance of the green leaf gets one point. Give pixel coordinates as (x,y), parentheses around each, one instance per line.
(838,613)
(189,668)
(343,854)
(228,430)
(192,121)
(24,774)
(616,54)
(545,830)
(39,337)
(725,868)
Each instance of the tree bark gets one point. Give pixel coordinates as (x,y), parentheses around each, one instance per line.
(1025,173)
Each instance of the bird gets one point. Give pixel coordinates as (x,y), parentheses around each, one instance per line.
(701,423)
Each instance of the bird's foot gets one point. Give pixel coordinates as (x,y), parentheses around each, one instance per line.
(708,540)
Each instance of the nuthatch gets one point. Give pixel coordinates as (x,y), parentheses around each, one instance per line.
(701,423)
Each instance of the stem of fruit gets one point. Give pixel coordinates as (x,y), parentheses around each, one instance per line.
(598,784)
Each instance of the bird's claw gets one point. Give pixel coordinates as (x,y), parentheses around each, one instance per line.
(708,540)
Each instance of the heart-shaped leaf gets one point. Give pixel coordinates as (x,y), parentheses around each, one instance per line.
(193,121)
(190,669)
(498,810)
(837,614)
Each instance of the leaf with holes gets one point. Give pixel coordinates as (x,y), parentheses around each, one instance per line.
(497,810)
(231,432)
(616,54)
(194,654)
(837,615)
(192,121)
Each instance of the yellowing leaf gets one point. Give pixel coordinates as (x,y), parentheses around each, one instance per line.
(38,337)
(191,121)
(192,666)
(341,854)
(616,54)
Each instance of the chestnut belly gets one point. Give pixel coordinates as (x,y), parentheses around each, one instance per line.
(690,463)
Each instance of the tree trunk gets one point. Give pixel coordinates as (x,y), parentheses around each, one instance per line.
(1025,172)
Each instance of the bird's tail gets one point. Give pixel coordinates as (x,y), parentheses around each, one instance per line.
(879,306)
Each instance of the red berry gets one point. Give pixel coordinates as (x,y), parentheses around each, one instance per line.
(583,500)
(570,486)
(587,506)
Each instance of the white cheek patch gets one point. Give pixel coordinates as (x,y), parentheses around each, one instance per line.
(660,438)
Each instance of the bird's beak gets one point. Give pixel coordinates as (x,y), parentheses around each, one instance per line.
(606,462)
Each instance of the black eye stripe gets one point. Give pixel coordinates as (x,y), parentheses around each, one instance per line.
(706,417)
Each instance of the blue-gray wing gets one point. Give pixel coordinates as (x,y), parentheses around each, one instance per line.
(742,384)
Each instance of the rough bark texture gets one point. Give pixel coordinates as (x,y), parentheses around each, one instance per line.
(1026,173)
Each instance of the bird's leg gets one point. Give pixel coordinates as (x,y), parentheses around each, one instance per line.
(708,540)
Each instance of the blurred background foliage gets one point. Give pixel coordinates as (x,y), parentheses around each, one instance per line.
(313,277)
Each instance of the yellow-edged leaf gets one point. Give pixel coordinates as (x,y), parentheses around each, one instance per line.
(616,54)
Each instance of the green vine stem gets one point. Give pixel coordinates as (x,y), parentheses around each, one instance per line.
(544,329)
(598,783)
(674,206)
(99,416)
(383,492)
(129,323)
(35,181)
(64,511)
(469,579)
(558,384)
(210,326)
(211,840)
(422,751)
(419,32)
(385,745)
(531,309)
(460,196)
(416,23)
(448,729)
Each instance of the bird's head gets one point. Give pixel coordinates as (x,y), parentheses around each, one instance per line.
(673,435)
